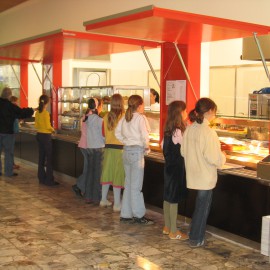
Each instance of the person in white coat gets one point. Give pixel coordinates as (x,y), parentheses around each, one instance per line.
(203,156)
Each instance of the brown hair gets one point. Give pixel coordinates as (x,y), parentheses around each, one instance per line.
(155,94)
(174,118)
(134,102)
(117,110)
(6,93)
(202,106)
(43,100)
(13,99)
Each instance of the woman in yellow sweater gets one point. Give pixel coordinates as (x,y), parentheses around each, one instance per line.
(44,131)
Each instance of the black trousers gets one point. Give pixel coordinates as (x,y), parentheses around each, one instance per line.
(45,159)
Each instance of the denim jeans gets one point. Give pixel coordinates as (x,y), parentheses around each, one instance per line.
(200,215)
(92,185)
(133,201)
(7,143)
(81,181)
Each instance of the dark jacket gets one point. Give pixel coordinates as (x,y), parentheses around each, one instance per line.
(8,113)
(175,188)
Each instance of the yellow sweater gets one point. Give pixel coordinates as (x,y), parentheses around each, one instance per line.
(42,122)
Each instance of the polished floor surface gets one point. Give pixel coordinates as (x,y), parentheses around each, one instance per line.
(50,228)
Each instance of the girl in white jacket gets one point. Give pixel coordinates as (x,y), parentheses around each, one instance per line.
(203,156)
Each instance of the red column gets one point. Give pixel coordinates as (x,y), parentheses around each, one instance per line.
(24,85)
(171,69)
(57,82)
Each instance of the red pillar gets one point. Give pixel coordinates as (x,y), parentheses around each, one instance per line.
(24,85)
(57,82)
(171,69)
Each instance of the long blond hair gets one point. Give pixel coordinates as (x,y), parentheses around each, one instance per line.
(134,102)
(117,110)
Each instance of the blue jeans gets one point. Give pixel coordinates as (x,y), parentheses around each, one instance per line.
(81,181)
(200,215)
(7,143)
(133,201)
(92,185)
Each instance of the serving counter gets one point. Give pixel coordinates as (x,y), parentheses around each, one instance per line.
(240,198)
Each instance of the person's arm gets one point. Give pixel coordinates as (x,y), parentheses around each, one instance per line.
(212,152)
(103,129)
(48,125)
(177,136)
(145,130)
(22,113)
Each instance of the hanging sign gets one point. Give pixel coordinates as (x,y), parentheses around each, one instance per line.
(175,90)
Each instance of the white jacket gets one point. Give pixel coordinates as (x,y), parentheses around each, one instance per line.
(203,156)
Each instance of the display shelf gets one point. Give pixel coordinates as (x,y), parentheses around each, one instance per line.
(245,140)
(73,102)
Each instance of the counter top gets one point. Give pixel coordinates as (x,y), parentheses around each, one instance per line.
(158,157)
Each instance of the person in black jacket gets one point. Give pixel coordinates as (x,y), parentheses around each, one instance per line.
(174,168)
(8,113)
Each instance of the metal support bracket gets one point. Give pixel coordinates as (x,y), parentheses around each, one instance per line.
(36,73)
(18,80)
(185,69)
(262,56)
(150,65)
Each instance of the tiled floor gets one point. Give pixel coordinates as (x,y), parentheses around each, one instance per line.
(49,228)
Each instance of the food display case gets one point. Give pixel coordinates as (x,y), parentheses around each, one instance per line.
(245,140)
(72,102)
(154,123)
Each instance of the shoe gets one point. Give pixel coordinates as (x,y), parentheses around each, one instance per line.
(105,203)
(178,236)
(117,208)
(126,220)
(143,220)
(88,201)
(16,167)
(14,174)
(77,191)
(166,230)
(54,183)
(193,244)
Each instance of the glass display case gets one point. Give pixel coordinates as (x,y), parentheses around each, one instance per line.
(72,102)
(154,123)
(245,140)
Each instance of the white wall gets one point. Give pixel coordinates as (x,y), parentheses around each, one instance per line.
(40,16)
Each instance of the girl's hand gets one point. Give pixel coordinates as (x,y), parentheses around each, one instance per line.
(146,151)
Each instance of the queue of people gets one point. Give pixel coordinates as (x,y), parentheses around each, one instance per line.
(114,147)
(192,156)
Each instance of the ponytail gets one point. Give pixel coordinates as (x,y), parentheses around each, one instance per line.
(134,102)
(203,105)
(43,100)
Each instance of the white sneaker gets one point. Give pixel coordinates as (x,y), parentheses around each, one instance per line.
(105,203)
(117,208)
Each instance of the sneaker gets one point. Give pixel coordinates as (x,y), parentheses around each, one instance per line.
(89,201)
(77,191)
(126,220)
(16,167)
(105,203)
(178,236)
(143,220)
(193,244)
(166,230)
(117,208)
